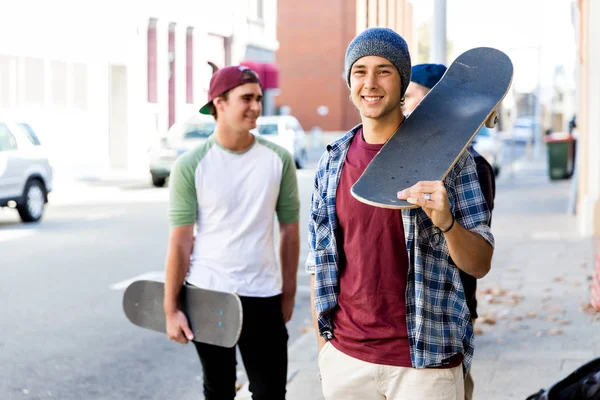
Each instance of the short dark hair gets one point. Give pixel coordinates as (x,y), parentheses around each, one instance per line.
(213,109)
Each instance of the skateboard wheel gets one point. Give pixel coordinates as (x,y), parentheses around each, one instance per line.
(492,120)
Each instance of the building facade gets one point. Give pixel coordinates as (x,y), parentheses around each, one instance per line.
(313,38)
(588,117)
(101,88)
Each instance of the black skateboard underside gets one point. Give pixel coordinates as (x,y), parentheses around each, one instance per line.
(440,128)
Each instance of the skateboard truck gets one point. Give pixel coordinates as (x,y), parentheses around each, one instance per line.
(492,120)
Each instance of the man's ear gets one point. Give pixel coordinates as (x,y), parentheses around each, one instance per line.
(218,102)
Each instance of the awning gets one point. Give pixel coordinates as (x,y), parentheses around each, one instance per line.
(267,72)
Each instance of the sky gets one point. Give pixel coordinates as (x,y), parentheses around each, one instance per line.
(538,35)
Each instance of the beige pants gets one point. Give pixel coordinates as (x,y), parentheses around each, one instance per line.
(346,378)
(469,386)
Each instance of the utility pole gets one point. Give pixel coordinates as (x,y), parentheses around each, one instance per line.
(438,33)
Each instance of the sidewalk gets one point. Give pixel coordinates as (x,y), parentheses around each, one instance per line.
(103,187)
(532,330)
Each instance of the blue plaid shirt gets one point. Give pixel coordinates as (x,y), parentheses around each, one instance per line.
(438,320)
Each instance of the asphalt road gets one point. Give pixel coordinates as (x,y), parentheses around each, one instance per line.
(63,334)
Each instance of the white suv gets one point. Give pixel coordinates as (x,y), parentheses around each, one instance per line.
(286,131)
(25,173)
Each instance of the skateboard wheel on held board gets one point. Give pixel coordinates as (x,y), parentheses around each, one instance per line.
(492,120)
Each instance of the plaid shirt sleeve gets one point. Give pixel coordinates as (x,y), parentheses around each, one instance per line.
(470,207)
(316,211)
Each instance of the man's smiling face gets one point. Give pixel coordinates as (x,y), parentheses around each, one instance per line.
(375,86)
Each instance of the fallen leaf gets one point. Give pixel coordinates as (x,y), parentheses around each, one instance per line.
(583,265)
(554,332)
(478,331)
(487,320)
(552,318)
(590,309)
(539,333)
(558,279)
(531,315)
(564,322)
(238,386)
(512,269)
(518,318)
(516,298)
(554,309)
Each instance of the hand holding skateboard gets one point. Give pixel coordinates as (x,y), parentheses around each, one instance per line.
(431,196)
(178,327)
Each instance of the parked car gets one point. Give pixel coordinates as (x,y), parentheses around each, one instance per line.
(180,138)
(25,172)
(524,129)
(286,131)
(490,146)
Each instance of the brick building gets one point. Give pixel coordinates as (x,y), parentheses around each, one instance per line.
(313,36)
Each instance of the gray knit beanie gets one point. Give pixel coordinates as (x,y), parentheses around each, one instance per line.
(381,42)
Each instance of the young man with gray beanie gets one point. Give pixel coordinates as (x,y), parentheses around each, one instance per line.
(423,78)
(388,303)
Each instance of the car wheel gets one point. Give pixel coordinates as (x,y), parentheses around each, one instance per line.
(158,181)
(31,207)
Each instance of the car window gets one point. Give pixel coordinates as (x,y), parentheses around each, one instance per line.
(201,131)
(29,133)
(267,129)
(293,125)
(7,140)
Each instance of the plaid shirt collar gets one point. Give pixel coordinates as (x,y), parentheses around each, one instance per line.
(438,320)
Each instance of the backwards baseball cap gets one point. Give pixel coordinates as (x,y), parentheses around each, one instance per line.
(427,75)
(226,79)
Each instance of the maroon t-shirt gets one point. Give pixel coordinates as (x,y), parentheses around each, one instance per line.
(370,322)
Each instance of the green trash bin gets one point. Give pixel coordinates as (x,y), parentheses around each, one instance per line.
(560,155)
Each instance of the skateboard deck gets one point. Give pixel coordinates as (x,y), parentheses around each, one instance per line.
(214,317)
(439,130)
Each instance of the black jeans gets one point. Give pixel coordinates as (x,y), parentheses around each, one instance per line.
(263,346)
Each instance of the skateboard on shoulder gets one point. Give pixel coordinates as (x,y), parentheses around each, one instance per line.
(214,317)
(434,136)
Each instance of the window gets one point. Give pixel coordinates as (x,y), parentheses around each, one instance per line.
(291,124)
(151,58)
(201,131)
(29,133)
(80,82)
(256,9)
(7,140)
(189,66)
(7,79)
(33,69)
(268,129)
(58,83)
